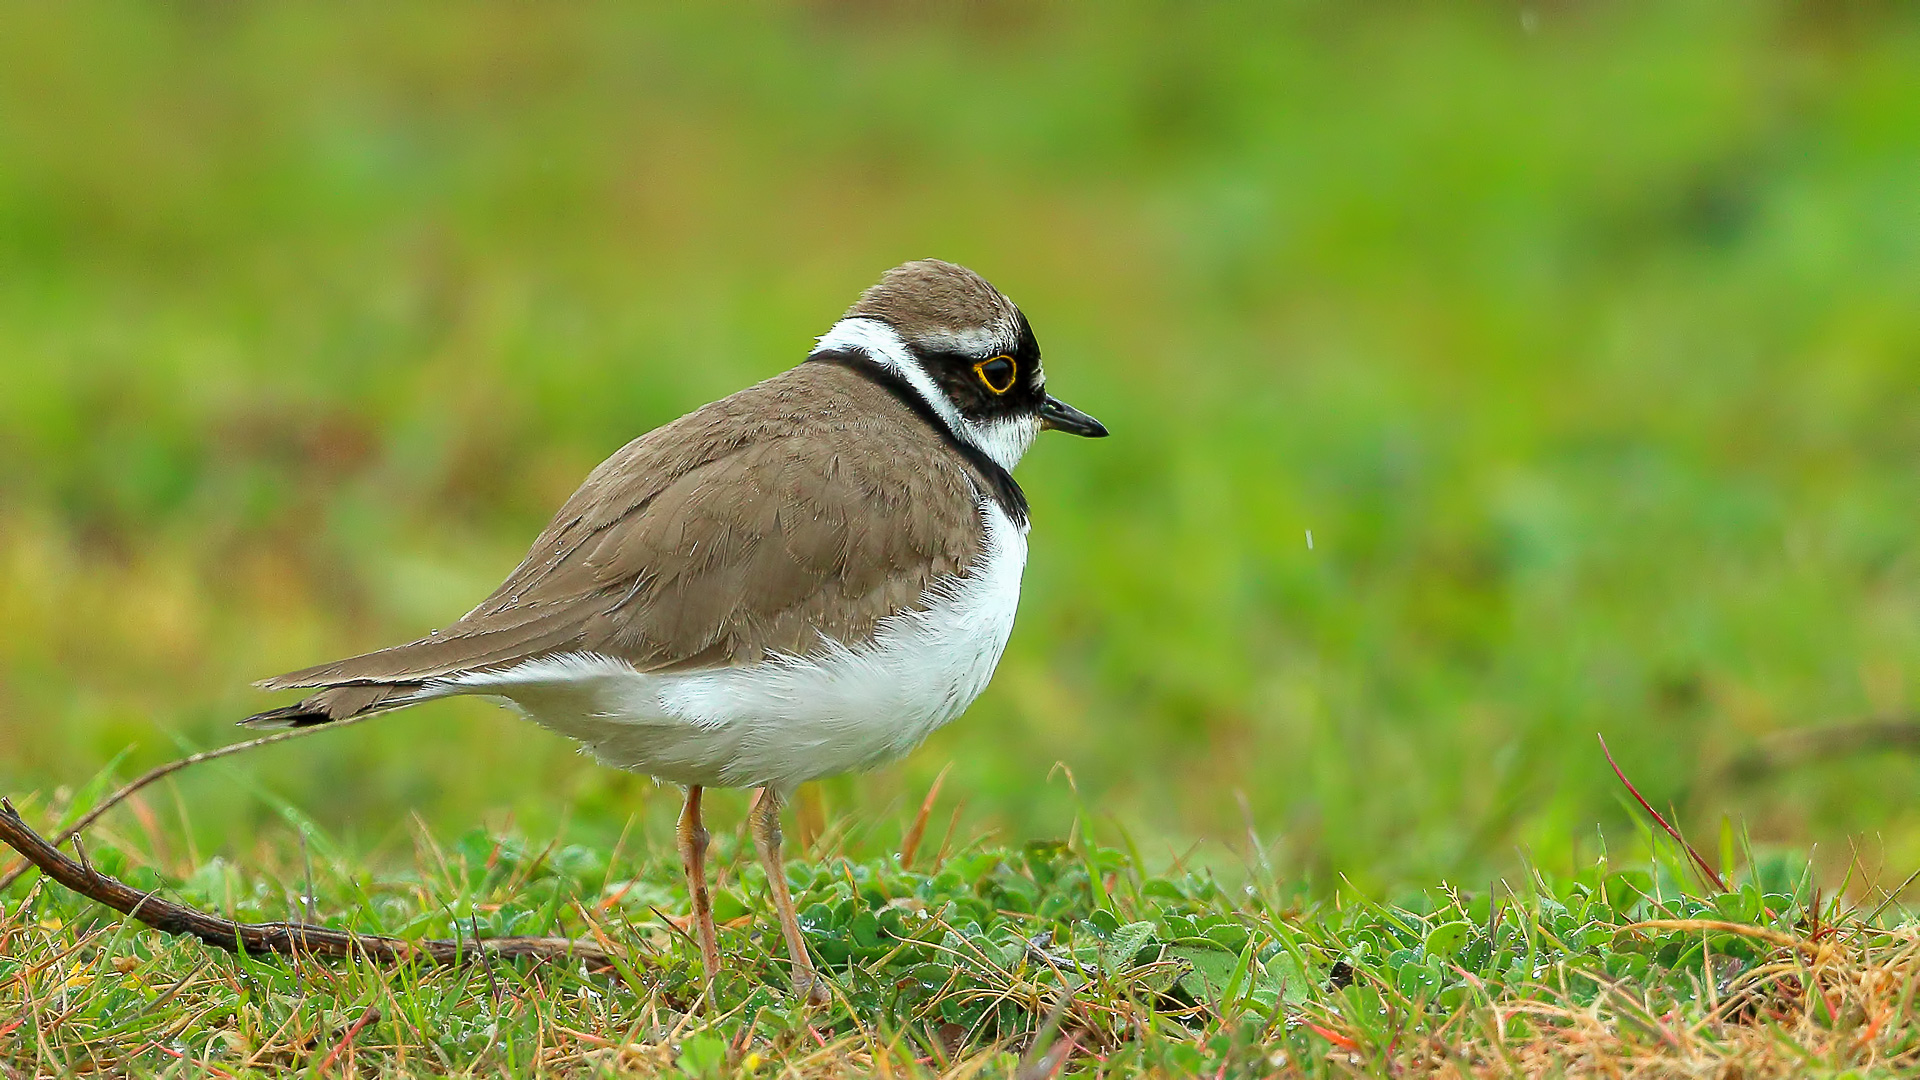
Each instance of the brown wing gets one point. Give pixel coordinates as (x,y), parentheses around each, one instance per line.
(810,506)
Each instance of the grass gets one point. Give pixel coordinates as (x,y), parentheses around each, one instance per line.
(1583,353)
(1578,338)
(966,959)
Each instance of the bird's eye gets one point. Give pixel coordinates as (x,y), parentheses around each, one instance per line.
(998,373)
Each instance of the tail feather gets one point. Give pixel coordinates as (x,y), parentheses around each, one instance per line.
(288,716)
(336,703)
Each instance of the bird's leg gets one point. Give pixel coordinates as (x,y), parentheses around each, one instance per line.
(693,858)
(765,821)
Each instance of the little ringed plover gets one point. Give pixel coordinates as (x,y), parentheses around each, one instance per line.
(802,579)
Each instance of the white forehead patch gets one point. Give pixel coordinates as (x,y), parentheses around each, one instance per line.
(976,342)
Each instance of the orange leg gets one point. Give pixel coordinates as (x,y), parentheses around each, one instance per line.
(765,821)
(693,858)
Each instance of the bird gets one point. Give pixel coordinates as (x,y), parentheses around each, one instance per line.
(804,578)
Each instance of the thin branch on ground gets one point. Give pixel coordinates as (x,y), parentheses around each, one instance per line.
(1801,746)
(161,772)
(284,938)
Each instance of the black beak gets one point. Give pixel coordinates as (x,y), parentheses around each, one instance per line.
(1057,415)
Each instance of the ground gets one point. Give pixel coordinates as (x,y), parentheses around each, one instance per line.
(959,958)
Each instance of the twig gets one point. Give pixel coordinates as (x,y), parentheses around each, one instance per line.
(161,772)
(1798,746)
(1707,871)
(284,938)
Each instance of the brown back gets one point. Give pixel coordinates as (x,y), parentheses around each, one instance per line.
(806,507)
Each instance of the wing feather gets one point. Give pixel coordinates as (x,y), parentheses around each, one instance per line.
(803,509)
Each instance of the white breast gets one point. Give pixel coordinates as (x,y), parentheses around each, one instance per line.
(788,719)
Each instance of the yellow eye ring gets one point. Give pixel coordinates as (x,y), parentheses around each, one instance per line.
(998,373)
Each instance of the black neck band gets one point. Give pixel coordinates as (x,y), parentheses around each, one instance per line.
(1000,483)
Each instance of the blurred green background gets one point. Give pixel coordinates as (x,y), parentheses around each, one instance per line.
(1584,338)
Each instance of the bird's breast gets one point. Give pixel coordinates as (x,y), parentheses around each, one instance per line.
(788,719)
